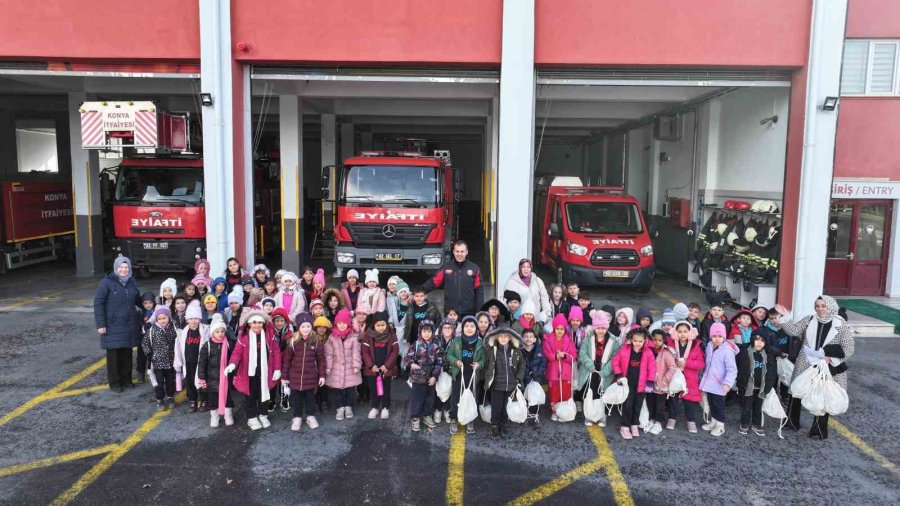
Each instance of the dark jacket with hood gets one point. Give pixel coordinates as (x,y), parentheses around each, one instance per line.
(505,367)
(463,288)
(706,324)
(746,365)
(643,313)
(427,354)
(117,307)
(535,364)
(209,364)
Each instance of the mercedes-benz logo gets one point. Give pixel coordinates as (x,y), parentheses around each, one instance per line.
(389,231)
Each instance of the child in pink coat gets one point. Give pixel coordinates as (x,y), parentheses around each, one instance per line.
(342,364)
(684,342)
(636,363)
(561,354)
(257,359)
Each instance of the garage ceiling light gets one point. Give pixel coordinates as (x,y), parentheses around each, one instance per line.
(206,99)
(830,104)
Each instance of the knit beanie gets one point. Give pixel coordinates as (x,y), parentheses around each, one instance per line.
(668,317)
(210,298)
(599,320)
(158,311)
(288,275)
(717,329)
(268,300)
(262,267)
(246,280)
(372,275)
(216,323)
(319,276)
(321,321)
(352,273)
(304,317)
(200,262)
(509,295)
(447,322)
(527,307)
(170,284)
(343,316)
(236,296)
(193,311)
(576,313)
(395,280)
(559,321)
(680,311)
(380,316)
(425,323)
(402,286)
(316,302)
(148,297)
(609,310)
(467,319)
(200,279)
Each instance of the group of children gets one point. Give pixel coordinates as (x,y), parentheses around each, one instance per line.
(283,341)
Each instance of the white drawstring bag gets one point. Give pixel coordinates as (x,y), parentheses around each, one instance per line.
(814,400)
(616,394)
(484,409)
(444,386)
(785,370)
(803,383)
(517,407)
(704,404)
(467,409)
(836,399)
(678,384)
(772,407)
(534,394)
(644,418)
(594,409)
(565,410)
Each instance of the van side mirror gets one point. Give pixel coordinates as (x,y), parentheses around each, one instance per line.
(554,230)
(654,232)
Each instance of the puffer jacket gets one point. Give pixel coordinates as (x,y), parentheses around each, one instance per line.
(535,291)
(745,367)
(368,345)
(648,365)
(454,355)
(535,364)
(371,301)
(665,369)
(159,346)
(342,356)
(494,358)
(586,361)
(118,308)
(693,364)
(721,368)
(240,357)
(303,364)
(209,366)
(463,289)
(427,354)
(559,368)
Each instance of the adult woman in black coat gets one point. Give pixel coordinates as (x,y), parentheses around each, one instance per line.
(117,304)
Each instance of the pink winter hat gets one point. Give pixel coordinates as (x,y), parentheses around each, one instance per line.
(717,329)
(599,320)
(343,316)
(319,276)
(560,321)
(576,312)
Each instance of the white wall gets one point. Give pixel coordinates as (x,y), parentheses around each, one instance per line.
(675,174)
(637,179)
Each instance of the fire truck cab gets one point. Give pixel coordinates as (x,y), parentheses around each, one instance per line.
(596,235)
(395,209)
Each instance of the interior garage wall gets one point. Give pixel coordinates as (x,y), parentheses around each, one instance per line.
(675,173)
(637,164)
(560,159)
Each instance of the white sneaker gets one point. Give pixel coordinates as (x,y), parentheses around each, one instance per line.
(554,418)
(229,417)
(264,421)
(385,414)
(588,423)
(437,416)
(447,417)
(340,414)
(718,430)
(373,413)
(348,412)
(601,423)
(213,418)
(296,423)
(311,422)
(656,428)
(709,425)
(254,424)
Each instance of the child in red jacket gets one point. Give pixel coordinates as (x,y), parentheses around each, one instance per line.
(742,327)
(380,351)
(636,363)
(561,355)
(303,363)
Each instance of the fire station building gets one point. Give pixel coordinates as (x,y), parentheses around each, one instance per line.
(771,119)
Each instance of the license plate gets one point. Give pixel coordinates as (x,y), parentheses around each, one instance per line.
(156,245)
(389,257)
(615,274)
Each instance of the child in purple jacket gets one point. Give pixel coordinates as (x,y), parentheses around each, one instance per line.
(719,376)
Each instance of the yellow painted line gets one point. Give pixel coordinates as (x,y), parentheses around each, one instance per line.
(666,296)
(113,456)
(605,456)
(52,393)
(79,391)
(456,468)
(31,300)
(605,460)
(59,459)
(864,447)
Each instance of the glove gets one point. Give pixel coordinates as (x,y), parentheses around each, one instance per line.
(202,384)
(276,375)
(230,369)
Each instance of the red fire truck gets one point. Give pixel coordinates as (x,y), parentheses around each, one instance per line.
(596,235)
(395,209)
(158,214)
(38,222)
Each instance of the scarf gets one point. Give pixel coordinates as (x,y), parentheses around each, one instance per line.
(264,364)
(380,338)
(223,377)
(526,280)
(832,306)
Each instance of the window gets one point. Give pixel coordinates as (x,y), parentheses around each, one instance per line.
(603,218)
(870,68)
(36,146)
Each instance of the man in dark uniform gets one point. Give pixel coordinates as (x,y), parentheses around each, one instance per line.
(461,280)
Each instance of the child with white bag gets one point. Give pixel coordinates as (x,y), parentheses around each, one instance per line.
(718,377)
(504,372)
(686,346)
(665,370)
(561,354)
(595,359)
(535,365)
(755,378)
(635,362)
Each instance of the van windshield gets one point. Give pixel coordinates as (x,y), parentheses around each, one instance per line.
(603,218)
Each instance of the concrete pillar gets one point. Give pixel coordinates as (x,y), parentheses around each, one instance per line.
(823,80)
(892,284)
(86,194)
(290,124)
(348,147)
(492,155)
(218,130)
(515,174)
(245,237)
(365,141)
(329,139)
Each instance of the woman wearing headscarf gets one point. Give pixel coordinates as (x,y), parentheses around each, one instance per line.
(117,314)
(823,338)
(530,287)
